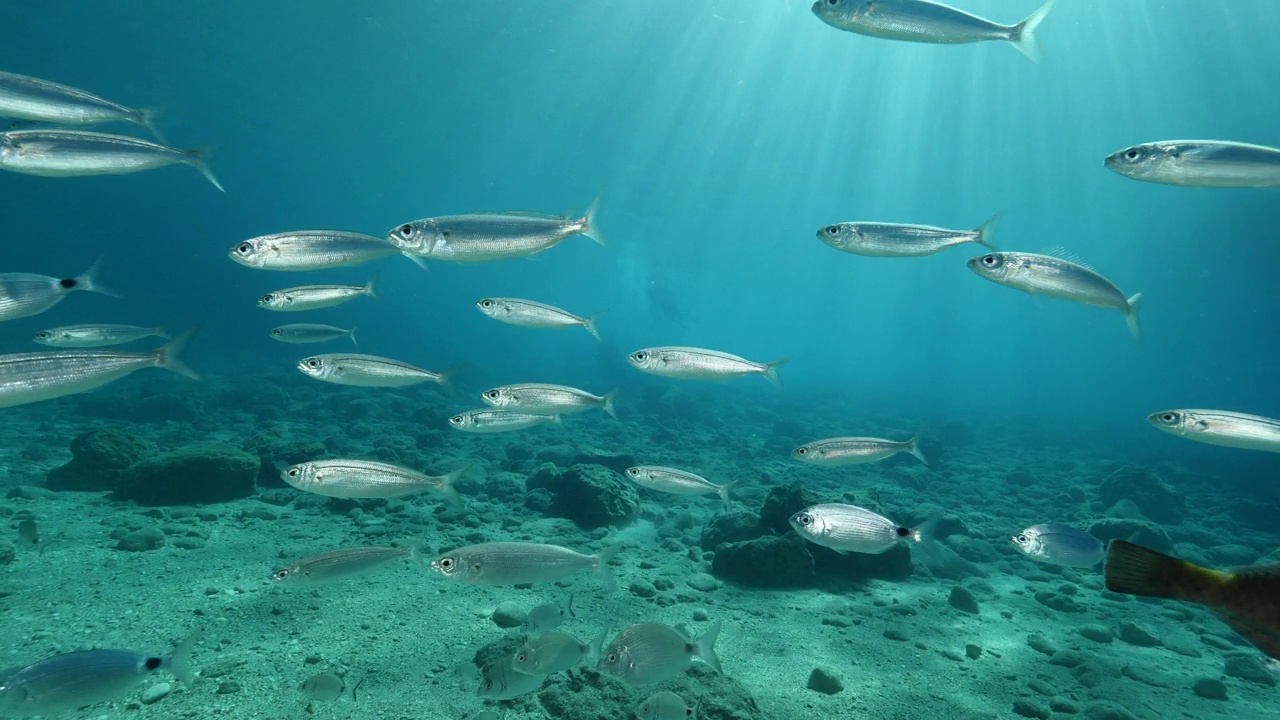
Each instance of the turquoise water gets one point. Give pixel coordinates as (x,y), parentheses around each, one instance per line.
(719,136)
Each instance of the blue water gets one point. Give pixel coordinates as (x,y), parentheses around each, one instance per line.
(720,136)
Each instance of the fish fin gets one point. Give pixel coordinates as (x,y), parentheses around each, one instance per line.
(447,489)
(986,230)
(418,260)
(179,659)
(1023,35)
(161,333)
(590,325)
(146,117)
(197,159)
(593,648)
(1064,254)
(926,532)
(771,371)
(913,447)
(602,566)
(88,280)
(608,403)
(590,227)
(445,375)
(1138,570)
(167,355)
(352,334)
(705,646)
(1131,316)
(723,492)
(369,287)
(1264,638)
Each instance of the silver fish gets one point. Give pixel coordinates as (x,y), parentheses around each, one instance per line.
(26,294)
(303,250)
(28,533)
(71,153)
(1058,275)
(924,21)
(652,652)
(553,652)
(1060,545)
(313,297)
(676,482)
(1221,427)
(527,313)
(891,240)
(849,528)
(310,333)
(834,452)
(367,371)
(489,420)
(548,616)
(690,363)
(666,705)
(33,377)
(1199,163)
(31,98)
(482,237)
(338,565)
(368,479)
(88,336)
(73,680)
(549,399)
(500,681)
(513,563)
(327,687)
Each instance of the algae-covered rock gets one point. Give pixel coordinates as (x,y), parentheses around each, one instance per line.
(1153,498)
(1135,531)
(275,452)
(773,561)
(203,473)
(730,527)
(588,695)
(783,502)
(97,459)
(590,495)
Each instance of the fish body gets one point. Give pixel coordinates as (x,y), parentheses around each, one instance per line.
(367,479)
(849,528)
(338,565)
(1066,278)
(1248,599)
(313,297)
(676,482)
(666,705)
(71,153)
(1220,427)
(366,371)
(1199,163)
(73,680)
(652,652)
(28,534)
(33,377)
(834,452)
(303,250)
(541,398)
(924,21)
(500,681)
(325,687)
(26,294)
(527,313)
(492,420)
(688,363)
(484,237)
(548,616)
(512,563)
(31,98)
(90,336)
(553,652)
(310,333)
(1059,545)
(892,240)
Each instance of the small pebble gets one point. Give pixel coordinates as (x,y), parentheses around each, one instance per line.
(1026,709)
(701,615)
(155,693)
(1039,644)
(1097,633)
(1210,689)
(703,582)
(973,651)
(896,634)
(229,687)
(1137,635)
(643,588)
(508,615)
(825,681)
(963,600)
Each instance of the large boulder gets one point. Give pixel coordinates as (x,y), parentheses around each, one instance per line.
(196,474)
(1153,498)
(97,459)
(730,527)
(590,495)
(783,502)
(776,561)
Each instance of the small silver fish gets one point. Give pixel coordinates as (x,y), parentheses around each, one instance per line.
(541,398)
(1060,545)
(690,363)
(890,240)
(310,333)
(501,682)
(26,294)
(368,479)
(71,153)
(676,482)
(28,533)
(46,101)
(834,452)
(489,420)
(513,563)
(849,528)
(1220,427)
(553,652)
(666,705)
(88,336)
(548,616)
(367,371)
(1199,163)
(527,313)
(924,21)
(313,297)
(327,687)
(33,377)
(303,250)
(76,679)
(338,565)
(652,652)
(1058,275)
(483,237)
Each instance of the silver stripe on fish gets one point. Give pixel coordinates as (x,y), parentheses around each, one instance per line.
(344,478)
(1059,545)
(302,250)
(689,363)
(72,153)
(492,420)
(1220,427)
(1199,163)
(513,563)
(367,371)
(849,528)
(549,399)
(89,336)
(527,313)
(341,564)
(676,482)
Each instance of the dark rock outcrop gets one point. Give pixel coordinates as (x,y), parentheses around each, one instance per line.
(590,495)
(196,474)
(97,459)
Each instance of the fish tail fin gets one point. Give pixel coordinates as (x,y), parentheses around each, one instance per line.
(597,642)
(926,533)
(146,117)
(167,355)
(771,371)
(704,648)
(447,489)
(197,159)
(1137,570)
(608,405)
(1131,315)
(162,333)
(178,661)
(590,325)
(352,334)
(443,377)
(88,280)
(602,566)
(723,492)
(1023,35)
(370,287)
(986,230)
(590,226)
(913,447)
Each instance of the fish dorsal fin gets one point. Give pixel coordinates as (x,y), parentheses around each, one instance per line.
(1064,254)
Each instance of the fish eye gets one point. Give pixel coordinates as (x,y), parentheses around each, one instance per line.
(280,574)
(990,260)
(640,356)
(806,519)
(1021,539)
(293,472)
(611,657)
(1169,418)
(486,303)
(276,331)
(456,419)
(492,394)
(833,230)
(44,334)
(313,363)
(266,298)
(406,230)
(446,563)
(244,248)
(520,657)
(1132,154)
(802,451)
(633,472)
